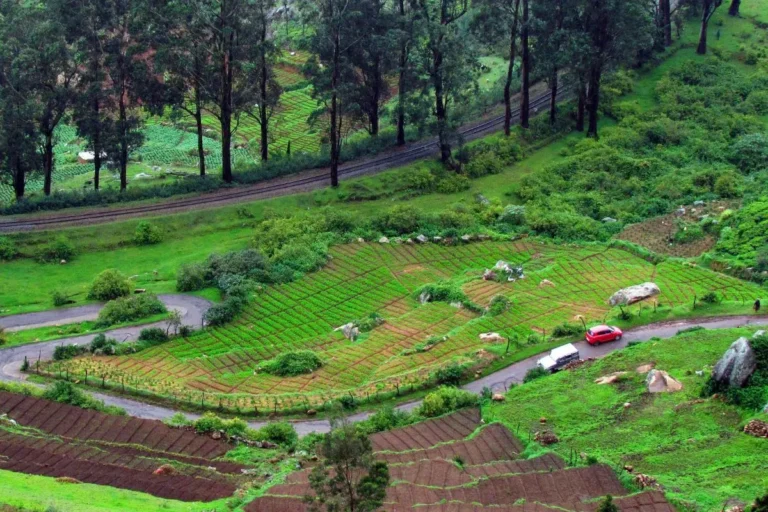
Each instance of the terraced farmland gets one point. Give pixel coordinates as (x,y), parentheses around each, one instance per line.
(63,441)
(363,278)
(428,477)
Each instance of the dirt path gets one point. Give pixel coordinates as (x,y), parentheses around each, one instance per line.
(11,358)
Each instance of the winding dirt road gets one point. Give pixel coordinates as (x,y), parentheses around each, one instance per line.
(11,357)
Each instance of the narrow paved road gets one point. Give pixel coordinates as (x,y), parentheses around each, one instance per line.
(11,357)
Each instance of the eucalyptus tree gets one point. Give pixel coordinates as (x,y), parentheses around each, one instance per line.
(406,78)
(501,20)
(733,10)
(616,31)
(708,8)
(552,29)
(525,66)
(448,59)
(331,69)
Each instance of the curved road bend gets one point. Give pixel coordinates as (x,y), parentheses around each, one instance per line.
(300,182)
(11,358)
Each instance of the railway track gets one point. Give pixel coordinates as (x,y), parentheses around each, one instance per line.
(316,179)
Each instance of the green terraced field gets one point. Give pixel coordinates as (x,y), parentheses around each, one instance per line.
(364,278)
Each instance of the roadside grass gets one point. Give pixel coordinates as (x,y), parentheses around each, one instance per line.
(55,332)
(693,446)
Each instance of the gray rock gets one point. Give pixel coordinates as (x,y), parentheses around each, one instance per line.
(609,220)
(633,294)
(698,203)
(680,212)
(422,239)
(758,334)
(437,239)
(466,238)
(383,240)
(737,364)
(424,297)
(350,331)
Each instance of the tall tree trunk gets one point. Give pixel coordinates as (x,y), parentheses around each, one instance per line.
(553,98)
(440,107)
(510,71)
(263,86)
(373,116)
(335,134)
(581,106)
(48,163)
(19,176)
(96,145)
(226,114)
(666,21)
(593,100)
(525,101)
(401,84)
(702,48)
(199,126)
(733,10)
(123,141)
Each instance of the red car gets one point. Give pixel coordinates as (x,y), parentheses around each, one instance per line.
(603,334)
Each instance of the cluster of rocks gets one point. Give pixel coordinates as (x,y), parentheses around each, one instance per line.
(350,331)
(423,239)
(646,482)
(634,294)
(659,381)
(545,437)
(757,428)
(504,270)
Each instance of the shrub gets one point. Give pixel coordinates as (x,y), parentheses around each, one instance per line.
(128,309)
(535,373)
(444,400)
(441,292)
(727,186)
(64,352)
(66,393)
(147,234)
(101,342)
(220,314)
(348,402)
(450,374)
(209,422)
(399,220)
(750,152)
(687,233)
(566,329)
(190,278)
(607,505)
(710,298)
(292,364)
(111,284)
(60,299)
(499,304)
(281,433)
(153,335)
(3,337)
(384,419)
(484,164)
(8,249)
(452,183)
(60,249)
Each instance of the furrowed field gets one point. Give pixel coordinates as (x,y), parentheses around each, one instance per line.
(367,278)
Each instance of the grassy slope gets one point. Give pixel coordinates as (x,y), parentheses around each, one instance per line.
(40,493)
(693,447)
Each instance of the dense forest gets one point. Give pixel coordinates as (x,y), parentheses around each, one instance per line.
(104,66)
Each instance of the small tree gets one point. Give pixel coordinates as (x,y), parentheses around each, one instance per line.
(607,505)
(348,478)
(174,321)
(708,9)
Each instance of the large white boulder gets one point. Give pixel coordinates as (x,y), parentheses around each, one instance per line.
(737,364)
(633,294)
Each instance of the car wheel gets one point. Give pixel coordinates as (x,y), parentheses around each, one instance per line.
(618,338)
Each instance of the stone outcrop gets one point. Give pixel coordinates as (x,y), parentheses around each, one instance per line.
(737,364)
(633,294)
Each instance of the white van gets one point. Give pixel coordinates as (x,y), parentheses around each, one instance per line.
(559,357)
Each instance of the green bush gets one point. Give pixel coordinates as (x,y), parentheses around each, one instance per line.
(191,278)
(566,329)
(129,309)
(399,220)
(281,433)
(224,312)
(441,292)
(750,152)
(535,373)
(64,352)
(8,249)
(444,400)
(291,364)
(384,419)
(147,234)
(451,184)
(60,249)
(499,304)
(60,299)
(348,402)
(687,233)
(111,284)
(153,335)
(209,422)
(101,342)
(66,393)
(450,374)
